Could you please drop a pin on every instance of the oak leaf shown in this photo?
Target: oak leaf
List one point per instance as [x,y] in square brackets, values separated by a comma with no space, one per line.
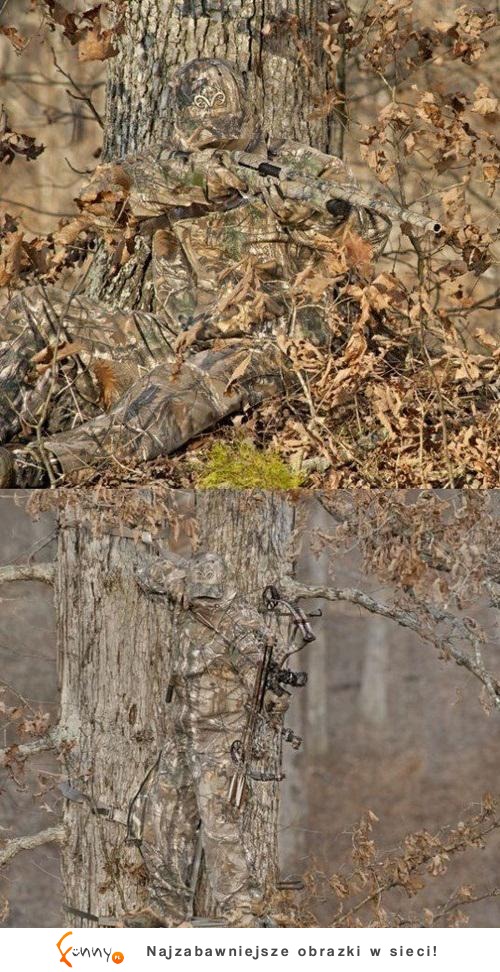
[97,45]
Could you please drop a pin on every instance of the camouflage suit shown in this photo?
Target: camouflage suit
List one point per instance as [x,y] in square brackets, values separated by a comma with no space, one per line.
[184,798]
[227,251]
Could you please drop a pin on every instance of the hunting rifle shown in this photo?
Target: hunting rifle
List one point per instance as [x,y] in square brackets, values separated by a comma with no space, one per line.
[326,194]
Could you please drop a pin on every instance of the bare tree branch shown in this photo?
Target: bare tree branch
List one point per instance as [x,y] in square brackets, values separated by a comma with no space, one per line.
[424,625]
[12,847]
[42,745]
[29,572]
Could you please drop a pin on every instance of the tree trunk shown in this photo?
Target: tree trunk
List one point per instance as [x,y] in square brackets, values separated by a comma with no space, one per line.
[115,649]
[253,533]
[373,700]
[277,45]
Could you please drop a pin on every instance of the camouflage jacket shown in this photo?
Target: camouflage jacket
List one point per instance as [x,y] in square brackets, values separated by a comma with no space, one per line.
[229,254]
[223,631]
[230,634]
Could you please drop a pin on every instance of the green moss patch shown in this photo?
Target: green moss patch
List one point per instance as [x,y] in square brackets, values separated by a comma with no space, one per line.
[241,466]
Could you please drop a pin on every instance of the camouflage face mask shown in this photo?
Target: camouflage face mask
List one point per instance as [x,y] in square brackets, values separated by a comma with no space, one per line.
[206,576]
[211,106]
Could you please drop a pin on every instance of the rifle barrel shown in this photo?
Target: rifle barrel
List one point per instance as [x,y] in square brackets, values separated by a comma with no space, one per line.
[323,193]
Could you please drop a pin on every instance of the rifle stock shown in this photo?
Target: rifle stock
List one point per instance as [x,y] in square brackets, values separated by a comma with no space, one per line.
[325,193]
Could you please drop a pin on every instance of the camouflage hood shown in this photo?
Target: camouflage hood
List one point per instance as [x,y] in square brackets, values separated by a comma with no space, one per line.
[211,107]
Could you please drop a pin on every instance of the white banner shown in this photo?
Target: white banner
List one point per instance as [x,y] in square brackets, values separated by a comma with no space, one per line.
[213,949]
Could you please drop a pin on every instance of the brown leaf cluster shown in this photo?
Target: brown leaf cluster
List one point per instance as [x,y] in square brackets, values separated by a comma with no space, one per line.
[103,508]
[25,258]
[87,30]
[14,144]
[409,393]
[393,402]
[364,892]
[438,549]
[16,39]
[389,32]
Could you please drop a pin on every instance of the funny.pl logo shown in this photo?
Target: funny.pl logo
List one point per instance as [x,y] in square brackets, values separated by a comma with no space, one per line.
[86,952]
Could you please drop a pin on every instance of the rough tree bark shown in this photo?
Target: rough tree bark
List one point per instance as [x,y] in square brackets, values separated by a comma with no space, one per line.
[277,45]
[115,650]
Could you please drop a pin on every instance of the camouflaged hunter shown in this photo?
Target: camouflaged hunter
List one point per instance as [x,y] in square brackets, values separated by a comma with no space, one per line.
[183,807]
[228,245]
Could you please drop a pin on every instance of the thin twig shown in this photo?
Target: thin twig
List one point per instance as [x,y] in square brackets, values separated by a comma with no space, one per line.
[80,96]
[493,893]
[390,883]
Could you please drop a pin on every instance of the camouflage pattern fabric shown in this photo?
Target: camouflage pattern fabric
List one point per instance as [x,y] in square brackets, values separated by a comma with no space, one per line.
[184,797]
[157,415]
[49,342]
[228,253]
[235,249]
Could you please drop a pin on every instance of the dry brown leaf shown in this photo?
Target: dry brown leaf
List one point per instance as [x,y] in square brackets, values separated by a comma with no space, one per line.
[314,285]
[485,103]
[44,359]
[11,259]
[356,347]
[60,15]
[17,40]
[359,252]
[14,143]
[97,45]
[239,371]
[70,232]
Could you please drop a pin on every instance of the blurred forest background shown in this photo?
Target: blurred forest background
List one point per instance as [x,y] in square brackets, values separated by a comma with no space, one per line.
[43,103]
[387,727]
